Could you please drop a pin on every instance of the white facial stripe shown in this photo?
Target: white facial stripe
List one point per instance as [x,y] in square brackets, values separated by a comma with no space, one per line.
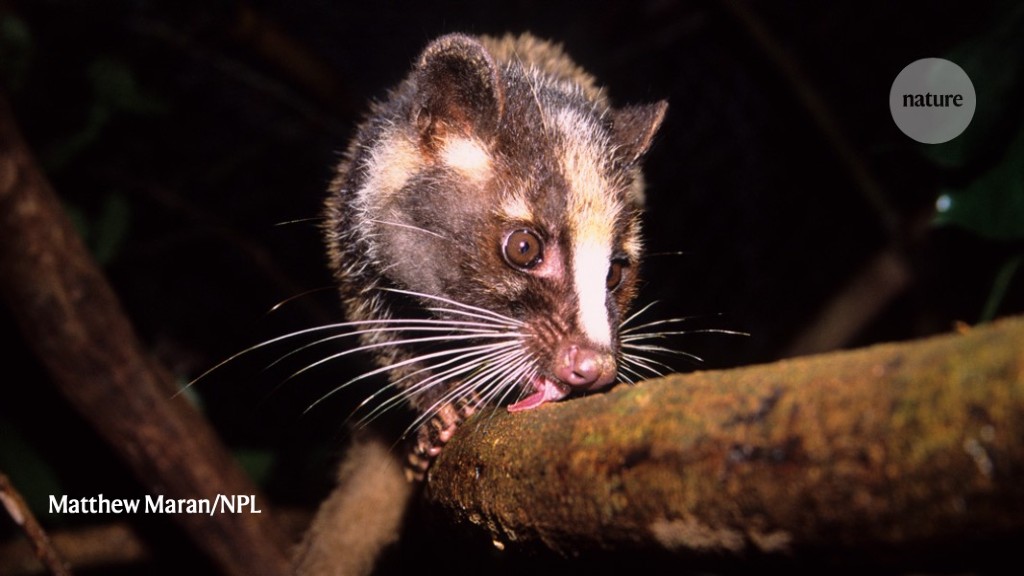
[590,268]
[391,164]
[468,157]
[593,211]
[515,207]
[633,245]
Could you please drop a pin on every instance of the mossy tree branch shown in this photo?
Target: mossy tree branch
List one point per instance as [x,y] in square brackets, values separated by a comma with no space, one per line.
[887,449]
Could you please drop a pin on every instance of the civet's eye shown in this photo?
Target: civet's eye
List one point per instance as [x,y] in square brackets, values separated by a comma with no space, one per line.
[614,275]
[523,249]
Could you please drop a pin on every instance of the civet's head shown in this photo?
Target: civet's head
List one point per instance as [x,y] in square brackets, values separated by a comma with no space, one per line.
[498,176]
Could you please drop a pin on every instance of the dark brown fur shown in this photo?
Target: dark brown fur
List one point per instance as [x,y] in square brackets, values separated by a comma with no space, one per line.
[479,140]
[477,88]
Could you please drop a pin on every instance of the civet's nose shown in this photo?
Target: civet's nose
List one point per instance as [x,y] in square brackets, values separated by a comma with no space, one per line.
[583,367]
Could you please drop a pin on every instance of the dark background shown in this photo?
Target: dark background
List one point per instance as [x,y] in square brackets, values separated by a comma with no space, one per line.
[192,142]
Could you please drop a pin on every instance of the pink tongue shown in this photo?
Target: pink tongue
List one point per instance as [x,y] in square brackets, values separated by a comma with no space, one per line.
[545,390]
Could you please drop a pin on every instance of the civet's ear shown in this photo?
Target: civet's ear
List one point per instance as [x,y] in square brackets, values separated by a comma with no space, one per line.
[633,128]
[458,88]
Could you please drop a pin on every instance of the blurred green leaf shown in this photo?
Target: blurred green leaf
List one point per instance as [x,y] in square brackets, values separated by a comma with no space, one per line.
[15,51]
[27,469]
[111,228]
[256,463]
[1000,286]
[70,147]
[106,232]
[992,61]
[114,90]
[80,221]
[991,206]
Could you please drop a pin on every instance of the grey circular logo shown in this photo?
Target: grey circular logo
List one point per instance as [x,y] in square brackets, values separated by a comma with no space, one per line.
[932,100]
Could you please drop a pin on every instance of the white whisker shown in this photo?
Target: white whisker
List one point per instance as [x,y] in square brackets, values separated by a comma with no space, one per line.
[662,350]
[624,367]
[505,376]
[636,314]
[482,370]
[472,315]
[525,373]
[464,333]
[336,326]
[391,343]
[408,226]
[651,362]
[524,391]
[455,303]
[642,363]
[432,380]
[416,359]
[634,329]
[494,373]
[300,221]
[651,335]
[290,299]
[497,391]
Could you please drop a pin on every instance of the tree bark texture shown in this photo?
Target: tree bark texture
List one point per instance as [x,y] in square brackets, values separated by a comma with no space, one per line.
[74,322]
[891,448]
